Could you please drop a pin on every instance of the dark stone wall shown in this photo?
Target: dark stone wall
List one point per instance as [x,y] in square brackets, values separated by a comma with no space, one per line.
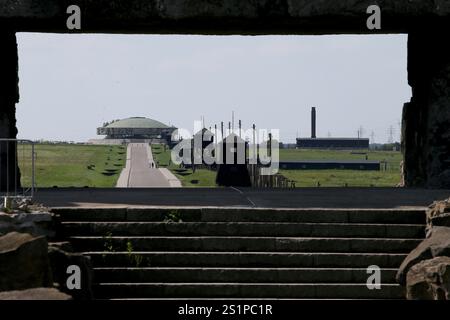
[9,96]
[222,16]
[426,119]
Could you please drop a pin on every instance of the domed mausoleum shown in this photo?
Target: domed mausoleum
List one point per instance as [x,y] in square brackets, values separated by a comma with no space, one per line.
[137,128]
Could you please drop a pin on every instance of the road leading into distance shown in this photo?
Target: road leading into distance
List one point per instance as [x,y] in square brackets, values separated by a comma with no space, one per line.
[141,172]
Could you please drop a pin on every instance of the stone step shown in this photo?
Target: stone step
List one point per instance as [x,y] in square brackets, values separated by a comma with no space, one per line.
[245,259]
[239,275]
[377,216]
[234,253]
[246,290]
[246,229]
[262,244]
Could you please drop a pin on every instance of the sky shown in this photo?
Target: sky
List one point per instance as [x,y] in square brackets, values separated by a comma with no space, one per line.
[72,84]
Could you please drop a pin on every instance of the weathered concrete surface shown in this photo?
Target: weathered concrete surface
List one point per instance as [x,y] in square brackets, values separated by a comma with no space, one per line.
[24,262]
[140,170]
[174,182]
[244,197]
[438,244]
[426,119]
[36,224]
[222,17]
[438,215]
[429,280]
[9,96]
[60,259]
[35,294]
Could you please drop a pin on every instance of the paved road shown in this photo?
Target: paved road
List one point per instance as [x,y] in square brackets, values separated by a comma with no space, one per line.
[230,197]
[140,170]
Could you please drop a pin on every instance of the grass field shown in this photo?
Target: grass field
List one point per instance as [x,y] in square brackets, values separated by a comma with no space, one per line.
[65,165]
[306,178]
[393,158]
[199,178]
[341,178]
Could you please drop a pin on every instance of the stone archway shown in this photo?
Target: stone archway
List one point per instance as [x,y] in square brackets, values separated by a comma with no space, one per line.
[426,118]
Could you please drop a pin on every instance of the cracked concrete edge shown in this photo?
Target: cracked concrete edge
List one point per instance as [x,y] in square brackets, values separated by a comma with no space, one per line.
[173,180]
[122,182]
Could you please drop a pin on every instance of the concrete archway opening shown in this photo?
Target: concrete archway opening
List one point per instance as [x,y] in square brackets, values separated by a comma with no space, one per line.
[426,118]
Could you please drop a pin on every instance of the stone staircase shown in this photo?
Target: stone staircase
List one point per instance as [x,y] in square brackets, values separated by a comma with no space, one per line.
[242,253]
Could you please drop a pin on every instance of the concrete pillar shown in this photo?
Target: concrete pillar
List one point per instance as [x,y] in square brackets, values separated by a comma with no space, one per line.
[426,119]
[9,96]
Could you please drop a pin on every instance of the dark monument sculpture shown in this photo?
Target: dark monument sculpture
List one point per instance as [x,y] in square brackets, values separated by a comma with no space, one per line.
[233,171]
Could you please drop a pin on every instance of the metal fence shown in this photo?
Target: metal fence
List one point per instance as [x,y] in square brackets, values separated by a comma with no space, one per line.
[17,168]
[268,181]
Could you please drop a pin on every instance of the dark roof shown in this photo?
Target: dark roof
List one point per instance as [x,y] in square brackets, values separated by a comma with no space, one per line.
[332,139]
[334,161]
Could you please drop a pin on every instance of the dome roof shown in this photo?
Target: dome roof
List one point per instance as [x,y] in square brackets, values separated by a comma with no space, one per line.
[137,122]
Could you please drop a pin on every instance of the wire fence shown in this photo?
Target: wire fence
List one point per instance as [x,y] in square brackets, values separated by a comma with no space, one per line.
[17,157]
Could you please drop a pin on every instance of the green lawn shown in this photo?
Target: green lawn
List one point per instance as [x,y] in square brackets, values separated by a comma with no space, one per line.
[342,178]
[199,178]
[307,178]
[393,158]
[66,165]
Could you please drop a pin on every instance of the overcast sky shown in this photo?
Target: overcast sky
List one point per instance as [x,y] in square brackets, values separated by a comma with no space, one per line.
[71,84]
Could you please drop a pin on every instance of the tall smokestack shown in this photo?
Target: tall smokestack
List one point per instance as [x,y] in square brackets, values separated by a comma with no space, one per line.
[313,123]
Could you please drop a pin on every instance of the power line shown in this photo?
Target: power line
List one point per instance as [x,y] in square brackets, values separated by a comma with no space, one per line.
[361,132]
[391,132]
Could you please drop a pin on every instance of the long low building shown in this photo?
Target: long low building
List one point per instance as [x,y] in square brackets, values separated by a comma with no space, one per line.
[333,143]
[365,165]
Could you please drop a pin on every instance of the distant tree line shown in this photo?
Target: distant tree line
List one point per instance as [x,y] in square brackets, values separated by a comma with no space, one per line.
[43,141]
[386,146]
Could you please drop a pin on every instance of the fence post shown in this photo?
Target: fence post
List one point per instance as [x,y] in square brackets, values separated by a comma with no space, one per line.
[33,170]
[10,173]
[9,96]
